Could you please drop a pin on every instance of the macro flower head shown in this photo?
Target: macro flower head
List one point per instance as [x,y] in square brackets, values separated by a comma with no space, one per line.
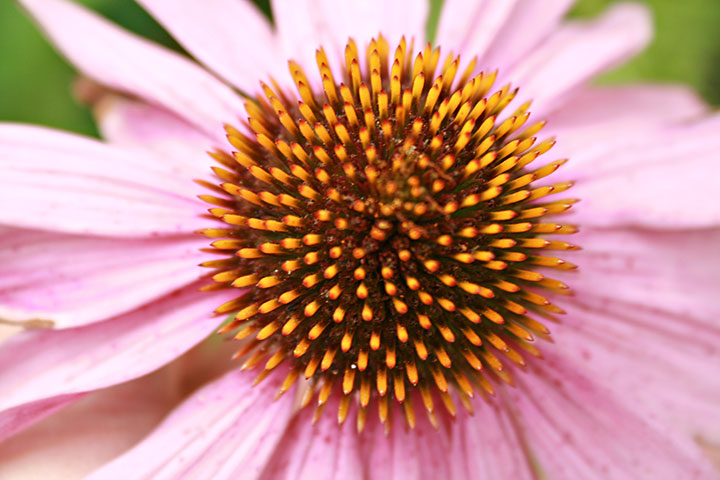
[432,259]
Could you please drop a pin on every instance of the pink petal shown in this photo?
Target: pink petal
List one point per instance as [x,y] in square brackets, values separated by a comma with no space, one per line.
[409,454]
[624,109]
[457,21]
[328,450]
[469,28]
[575,429]
[322,451]
[365,20]
[677,272]
[226,430]
[304,25]
[577,51]
[648,324]
[178,144]
[64,182]
[71,280]
[129,63]
[664,366]
[487,444]
[229,36]
[530,23]
[598,120]
[53,363]
[21,417]
[662,179]
[301,29]
[86,435]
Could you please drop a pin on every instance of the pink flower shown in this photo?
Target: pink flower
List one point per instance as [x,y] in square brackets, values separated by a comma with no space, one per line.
[99,249]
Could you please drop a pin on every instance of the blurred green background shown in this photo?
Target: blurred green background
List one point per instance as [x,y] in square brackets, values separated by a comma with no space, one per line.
[35,83]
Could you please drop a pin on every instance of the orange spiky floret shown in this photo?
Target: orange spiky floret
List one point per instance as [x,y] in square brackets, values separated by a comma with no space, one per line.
[385,229]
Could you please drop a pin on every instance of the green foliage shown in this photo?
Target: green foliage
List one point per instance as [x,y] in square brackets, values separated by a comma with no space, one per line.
[686,47]
[36,84]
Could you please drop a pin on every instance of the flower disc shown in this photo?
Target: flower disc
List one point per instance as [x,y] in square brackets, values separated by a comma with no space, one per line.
[384,231]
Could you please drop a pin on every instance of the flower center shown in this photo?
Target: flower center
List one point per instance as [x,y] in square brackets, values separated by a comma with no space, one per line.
[383,231]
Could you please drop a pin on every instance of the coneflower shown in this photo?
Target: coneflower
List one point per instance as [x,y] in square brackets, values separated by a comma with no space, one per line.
[386,230]
[387,235]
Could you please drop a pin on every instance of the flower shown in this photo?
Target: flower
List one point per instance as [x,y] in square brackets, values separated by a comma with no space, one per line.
[100,246]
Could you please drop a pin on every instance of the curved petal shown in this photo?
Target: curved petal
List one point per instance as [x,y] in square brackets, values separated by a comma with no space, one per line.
[597,121]
[180,146]
[301,29]
[490,424]
[70,280]
[405,454]
[576,51]
[575,429]
[644,320]
[226,430]
[457,20]
[126,62]
[21,417]
[327,450]
[677,272]
[54,363]
[229,36]
[304,25]
[67,183]
[661,179]
[625,109]
[84,436]
[365,20]
[664,366]
[469,27]
[529,24]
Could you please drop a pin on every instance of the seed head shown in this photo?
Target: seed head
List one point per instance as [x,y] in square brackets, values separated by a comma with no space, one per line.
[383,231]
